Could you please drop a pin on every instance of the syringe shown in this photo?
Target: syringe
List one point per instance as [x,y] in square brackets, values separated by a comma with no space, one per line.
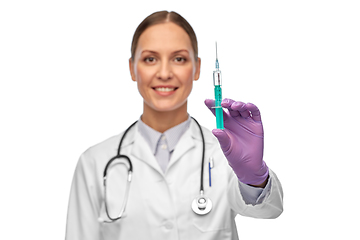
[218,94]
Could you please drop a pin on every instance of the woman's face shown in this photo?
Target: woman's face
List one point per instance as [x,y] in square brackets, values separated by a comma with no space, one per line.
[164,67]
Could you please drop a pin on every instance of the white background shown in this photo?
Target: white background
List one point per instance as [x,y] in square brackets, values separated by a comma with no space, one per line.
[65,86]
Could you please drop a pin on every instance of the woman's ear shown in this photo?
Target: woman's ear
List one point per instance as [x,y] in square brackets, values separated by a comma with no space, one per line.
[131,68]
[197,70]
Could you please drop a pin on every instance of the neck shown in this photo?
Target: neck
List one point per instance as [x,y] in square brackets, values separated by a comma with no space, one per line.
[162,121]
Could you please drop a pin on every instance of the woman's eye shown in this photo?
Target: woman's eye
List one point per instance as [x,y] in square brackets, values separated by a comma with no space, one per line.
[149,59]
[180,59]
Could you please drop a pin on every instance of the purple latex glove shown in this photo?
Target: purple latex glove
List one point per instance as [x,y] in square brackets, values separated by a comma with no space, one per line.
[242,140]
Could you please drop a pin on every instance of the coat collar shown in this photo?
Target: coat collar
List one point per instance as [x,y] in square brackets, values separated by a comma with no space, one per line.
[141,150]
[172,135]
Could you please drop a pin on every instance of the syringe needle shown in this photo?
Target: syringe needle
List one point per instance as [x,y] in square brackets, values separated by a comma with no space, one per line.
[216,50]
[216,62]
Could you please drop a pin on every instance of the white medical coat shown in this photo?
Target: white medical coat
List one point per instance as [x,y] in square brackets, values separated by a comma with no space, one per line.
[159,204]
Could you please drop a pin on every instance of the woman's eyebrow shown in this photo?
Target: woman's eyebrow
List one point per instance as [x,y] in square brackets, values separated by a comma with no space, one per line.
[145,51]
[175,52]
[182,50]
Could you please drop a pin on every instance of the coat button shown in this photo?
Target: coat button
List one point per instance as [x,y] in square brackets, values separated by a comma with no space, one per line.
[168,225]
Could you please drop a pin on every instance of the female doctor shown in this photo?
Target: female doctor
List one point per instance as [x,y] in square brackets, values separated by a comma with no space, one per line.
[177,189]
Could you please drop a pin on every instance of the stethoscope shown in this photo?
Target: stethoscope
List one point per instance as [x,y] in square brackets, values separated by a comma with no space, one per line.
[201,205]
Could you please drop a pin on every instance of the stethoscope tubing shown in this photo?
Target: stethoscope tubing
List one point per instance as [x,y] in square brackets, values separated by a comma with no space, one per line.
[130,171]
[118,152]
[202,158]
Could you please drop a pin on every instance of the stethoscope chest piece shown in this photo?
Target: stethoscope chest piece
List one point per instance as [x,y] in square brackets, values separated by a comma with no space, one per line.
[201,205]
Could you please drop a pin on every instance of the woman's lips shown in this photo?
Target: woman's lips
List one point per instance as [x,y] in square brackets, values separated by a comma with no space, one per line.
[165,90]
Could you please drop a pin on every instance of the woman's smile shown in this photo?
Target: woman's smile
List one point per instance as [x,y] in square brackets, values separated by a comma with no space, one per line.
[165,90]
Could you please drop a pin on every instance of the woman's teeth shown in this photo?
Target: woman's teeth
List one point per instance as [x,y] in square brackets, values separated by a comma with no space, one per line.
[162,89]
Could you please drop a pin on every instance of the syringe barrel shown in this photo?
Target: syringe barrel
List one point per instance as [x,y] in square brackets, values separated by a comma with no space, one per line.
[217,78]
[218,108]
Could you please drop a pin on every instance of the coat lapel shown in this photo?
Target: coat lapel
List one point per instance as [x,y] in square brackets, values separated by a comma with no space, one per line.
[185,143]
[141,151]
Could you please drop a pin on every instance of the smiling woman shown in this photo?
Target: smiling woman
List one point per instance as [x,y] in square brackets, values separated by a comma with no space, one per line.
[164,67]
[163,151]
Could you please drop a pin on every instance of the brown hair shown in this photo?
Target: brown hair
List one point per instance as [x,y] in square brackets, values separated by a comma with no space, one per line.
[162,17]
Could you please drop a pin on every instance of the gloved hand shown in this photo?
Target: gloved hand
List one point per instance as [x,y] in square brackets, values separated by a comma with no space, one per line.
[242,140]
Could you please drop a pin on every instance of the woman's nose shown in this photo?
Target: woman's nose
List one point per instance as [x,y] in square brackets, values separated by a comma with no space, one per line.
[165,71]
